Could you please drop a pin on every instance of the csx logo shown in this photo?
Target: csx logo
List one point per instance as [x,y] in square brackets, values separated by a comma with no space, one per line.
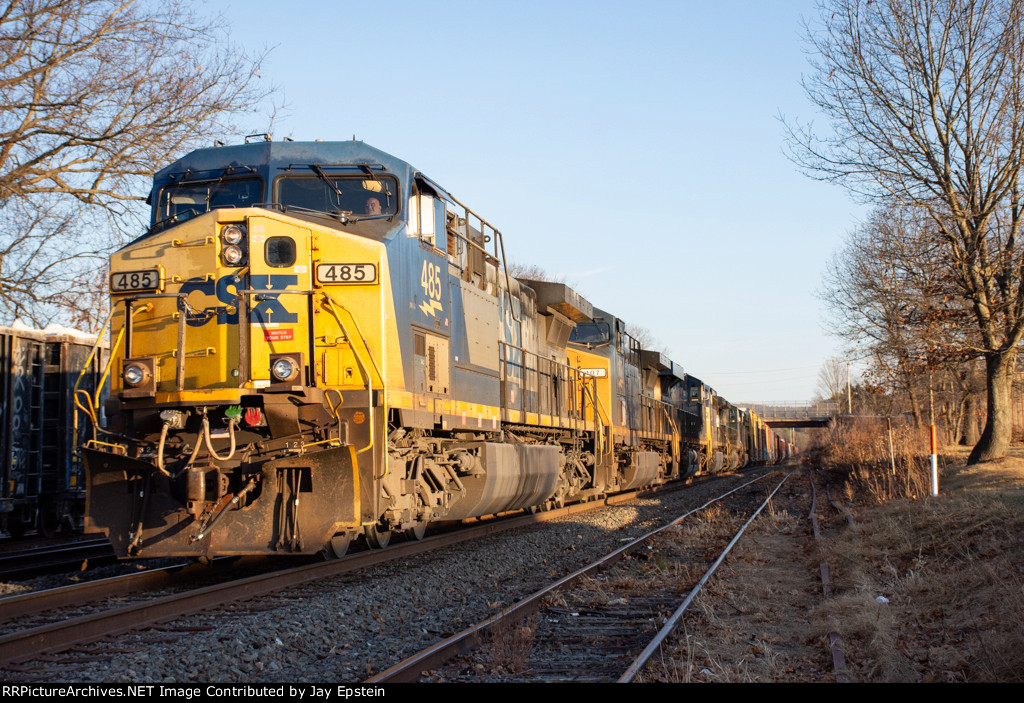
[266,306]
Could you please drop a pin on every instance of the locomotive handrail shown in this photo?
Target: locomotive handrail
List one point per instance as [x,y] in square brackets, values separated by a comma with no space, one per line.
[602,411]
[88,360]
[676,434]
[180,345]
[572,370]
[498,239]
[595,402]
[362,365]
[654,404]
[74,390]
[483,250]
[91,410]
[359,331]
[508,283]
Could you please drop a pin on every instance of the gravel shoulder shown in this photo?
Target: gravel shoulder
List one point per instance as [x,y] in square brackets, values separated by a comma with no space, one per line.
[349,627]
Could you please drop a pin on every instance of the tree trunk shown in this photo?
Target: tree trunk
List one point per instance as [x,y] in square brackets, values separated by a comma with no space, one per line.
[970,421]
[915,408]
[995,439]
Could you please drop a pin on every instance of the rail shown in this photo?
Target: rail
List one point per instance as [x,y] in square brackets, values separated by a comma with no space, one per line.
[409,670]
[673,621]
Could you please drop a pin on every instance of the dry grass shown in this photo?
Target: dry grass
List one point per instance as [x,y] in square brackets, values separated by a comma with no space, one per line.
[511,644]
[884,461]
[927,590]
[950,572]
[923,589]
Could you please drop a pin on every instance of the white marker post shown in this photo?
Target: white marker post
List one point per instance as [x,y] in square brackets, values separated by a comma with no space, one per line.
[935,464]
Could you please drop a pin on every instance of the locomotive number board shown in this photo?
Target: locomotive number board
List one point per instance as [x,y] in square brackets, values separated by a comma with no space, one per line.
[346,273]
[135,280]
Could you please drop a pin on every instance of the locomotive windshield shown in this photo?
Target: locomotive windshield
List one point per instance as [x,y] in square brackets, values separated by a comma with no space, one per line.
[591,333]
[359,196]
[184,200]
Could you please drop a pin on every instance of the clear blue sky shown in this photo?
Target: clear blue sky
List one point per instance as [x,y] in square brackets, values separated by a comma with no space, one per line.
[634,147]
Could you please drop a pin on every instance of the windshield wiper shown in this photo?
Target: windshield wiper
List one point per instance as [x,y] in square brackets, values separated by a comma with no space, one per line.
[227,171]
[342,215]
[175,216]
[372,217]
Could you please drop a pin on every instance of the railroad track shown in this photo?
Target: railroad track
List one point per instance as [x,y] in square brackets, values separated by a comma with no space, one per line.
[35,559]
[835,643]
[599,624]
[20,645]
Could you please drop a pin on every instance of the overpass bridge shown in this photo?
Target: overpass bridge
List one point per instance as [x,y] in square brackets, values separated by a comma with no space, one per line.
[794,413]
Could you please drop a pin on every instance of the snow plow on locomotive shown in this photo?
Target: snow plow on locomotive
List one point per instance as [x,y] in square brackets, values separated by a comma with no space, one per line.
[317,342]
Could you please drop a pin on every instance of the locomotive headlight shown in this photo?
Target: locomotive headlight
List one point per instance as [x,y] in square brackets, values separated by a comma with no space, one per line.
[134,375]
[232,255]
[285,369]
[139,374]
[232,234]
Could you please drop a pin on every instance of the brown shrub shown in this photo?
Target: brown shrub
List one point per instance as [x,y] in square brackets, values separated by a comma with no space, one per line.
[886,460]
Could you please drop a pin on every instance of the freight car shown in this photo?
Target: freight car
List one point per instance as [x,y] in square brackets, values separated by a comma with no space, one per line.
[316,342]
[43,480]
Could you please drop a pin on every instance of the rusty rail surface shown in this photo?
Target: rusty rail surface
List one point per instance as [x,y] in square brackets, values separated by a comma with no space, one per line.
[670,625]
[835,643]
[471,638]
[24,645]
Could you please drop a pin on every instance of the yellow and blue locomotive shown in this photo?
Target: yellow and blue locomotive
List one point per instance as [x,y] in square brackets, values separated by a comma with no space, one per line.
[315,342]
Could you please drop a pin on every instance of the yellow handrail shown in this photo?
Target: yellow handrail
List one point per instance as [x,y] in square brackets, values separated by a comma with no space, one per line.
[602,415]
[94,402]
[363,370]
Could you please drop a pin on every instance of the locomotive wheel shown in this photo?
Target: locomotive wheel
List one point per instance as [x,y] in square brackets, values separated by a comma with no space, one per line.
[416,532]
[376,537]
[338,545]
[717,461]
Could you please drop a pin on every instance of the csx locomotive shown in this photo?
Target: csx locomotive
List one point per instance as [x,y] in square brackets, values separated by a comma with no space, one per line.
[316,342]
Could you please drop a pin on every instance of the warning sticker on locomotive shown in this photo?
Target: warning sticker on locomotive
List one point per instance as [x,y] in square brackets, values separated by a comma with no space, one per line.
[278,335]
[135,280]
[346,273]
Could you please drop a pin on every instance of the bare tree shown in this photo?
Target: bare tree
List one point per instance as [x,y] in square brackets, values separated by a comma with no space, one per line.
[926,104]
[94,96]
[832,379]
[890,298]
[533,272]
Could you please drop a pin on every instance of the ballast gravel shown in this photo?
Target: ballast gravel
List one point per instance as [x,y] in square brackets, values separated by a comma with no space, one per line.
[349,627]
